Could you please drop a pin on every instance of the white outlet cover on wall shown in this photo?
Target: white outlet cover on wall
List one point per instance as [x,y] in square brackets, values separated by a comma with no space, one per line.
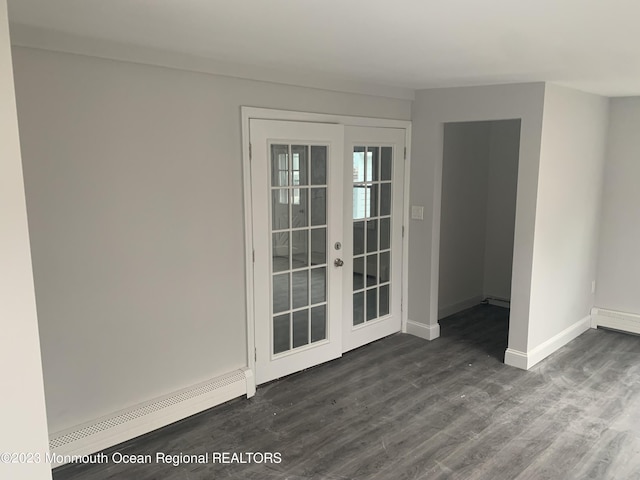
[417,212]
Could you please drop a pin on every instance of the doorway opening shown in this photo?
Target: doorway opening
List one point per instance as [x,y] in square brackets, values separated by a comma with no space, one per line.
[477,224]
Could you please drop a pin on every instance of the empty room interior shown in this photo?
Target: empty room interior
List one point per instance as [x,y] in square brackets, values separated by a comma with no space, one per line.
[246,240]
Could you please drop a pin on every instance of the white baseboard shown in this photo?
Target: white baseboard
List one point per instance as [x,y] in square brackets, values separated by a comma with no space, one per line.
[110,430]
[251,382]
[526,360]
[428,332]
[626,322]
[516,358]
[447,310]
[498,302]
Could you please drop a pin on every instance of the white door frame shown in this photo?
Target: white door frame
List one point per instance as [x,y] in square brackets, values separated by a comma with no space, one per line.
[248,113]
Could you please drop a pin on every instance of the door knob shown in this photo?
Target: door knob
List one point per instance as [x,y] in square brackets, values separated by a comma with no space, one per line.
[338,262]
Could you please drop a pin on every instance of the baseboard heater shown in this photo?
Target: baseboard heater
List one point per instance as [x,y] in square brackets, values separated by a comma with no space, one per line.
[625,322]
[105,432]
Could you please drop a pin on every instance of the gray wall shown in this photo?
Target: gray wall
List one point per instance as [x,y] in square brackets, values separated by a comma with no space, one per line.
[560,171]
[463,218]
[618,285]
[479,180]
[431,109]
[22,405]
[504,145]
[568,210]
[134,191]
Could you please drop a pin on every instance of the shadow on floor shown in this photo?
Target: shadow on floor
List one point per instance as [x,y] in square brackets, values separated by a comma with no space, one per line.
[492,337]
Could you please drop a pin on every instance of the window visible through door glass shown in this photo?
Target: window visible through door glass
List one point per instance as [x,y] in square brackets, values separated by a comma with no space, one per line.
[372,176]
[298,245]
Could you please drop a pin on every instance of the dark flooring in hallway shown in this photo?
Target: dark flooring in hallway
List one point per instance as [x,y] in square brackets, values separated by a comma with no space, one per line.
[406,408]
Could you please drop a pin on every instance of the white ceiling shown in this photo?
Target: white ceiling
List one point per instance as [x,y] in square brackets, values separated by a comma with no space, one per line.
[591,45]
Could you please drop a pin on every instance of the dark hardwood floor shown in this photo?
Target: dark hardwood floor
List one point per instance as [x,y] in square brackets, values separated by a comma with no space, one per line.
[405,408]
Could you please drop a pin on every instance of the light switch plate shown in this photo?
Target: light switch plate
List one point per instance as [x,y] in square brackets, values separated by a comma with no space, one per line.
[417,212]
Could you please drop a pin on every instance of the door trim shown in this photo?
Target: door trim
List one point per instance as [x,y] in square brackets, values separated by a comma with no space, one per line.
[248,113]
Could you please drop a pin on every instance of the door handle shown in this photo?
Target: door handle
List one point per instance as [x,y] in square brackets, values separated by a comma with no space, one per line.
[338,262]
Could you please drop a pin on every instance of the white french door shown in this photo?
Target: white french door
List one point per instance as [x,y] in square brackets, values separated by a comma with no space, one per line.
[296,173]
[327,209]
[373,192]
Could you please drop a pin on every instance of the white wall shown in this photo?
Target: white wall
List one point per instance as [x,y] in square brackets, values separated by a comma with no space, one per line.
[477,221]
[504,145]
[463,218]
[22,406]
[619,252]
[568,210]
[134,191]
[431,109]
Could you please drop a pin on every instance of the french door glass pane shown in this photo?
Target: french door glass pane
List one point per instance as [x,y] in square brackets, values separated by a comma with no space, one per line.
[300,281]
[299,210]
[385,266]
[372,235]
[299,248]
[318,206]
[385,233]
[372,201]
[385,165]
[318,323]
[281,293]
[318,165]
[384,300]
[279,165]
[358,273]
[299,164]
[358,238]
[300,328]
[372,270]
[385,199]
[318,246]
[372,193]
[372,164]
[318,285]
[280,209]
[358,164]
[281,333]
[372,304]
[358,308]
[359,201]
[280,251]
[298,243]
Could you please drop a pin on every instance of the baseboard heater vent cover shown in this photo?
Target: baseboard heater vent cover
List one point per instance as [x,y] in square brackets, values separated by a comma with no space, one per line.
[625,322]
[129,423]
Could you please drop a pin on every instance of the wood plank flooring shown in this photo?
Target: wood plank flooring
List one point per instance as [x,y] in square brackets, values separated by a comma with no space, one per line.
[405,408]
